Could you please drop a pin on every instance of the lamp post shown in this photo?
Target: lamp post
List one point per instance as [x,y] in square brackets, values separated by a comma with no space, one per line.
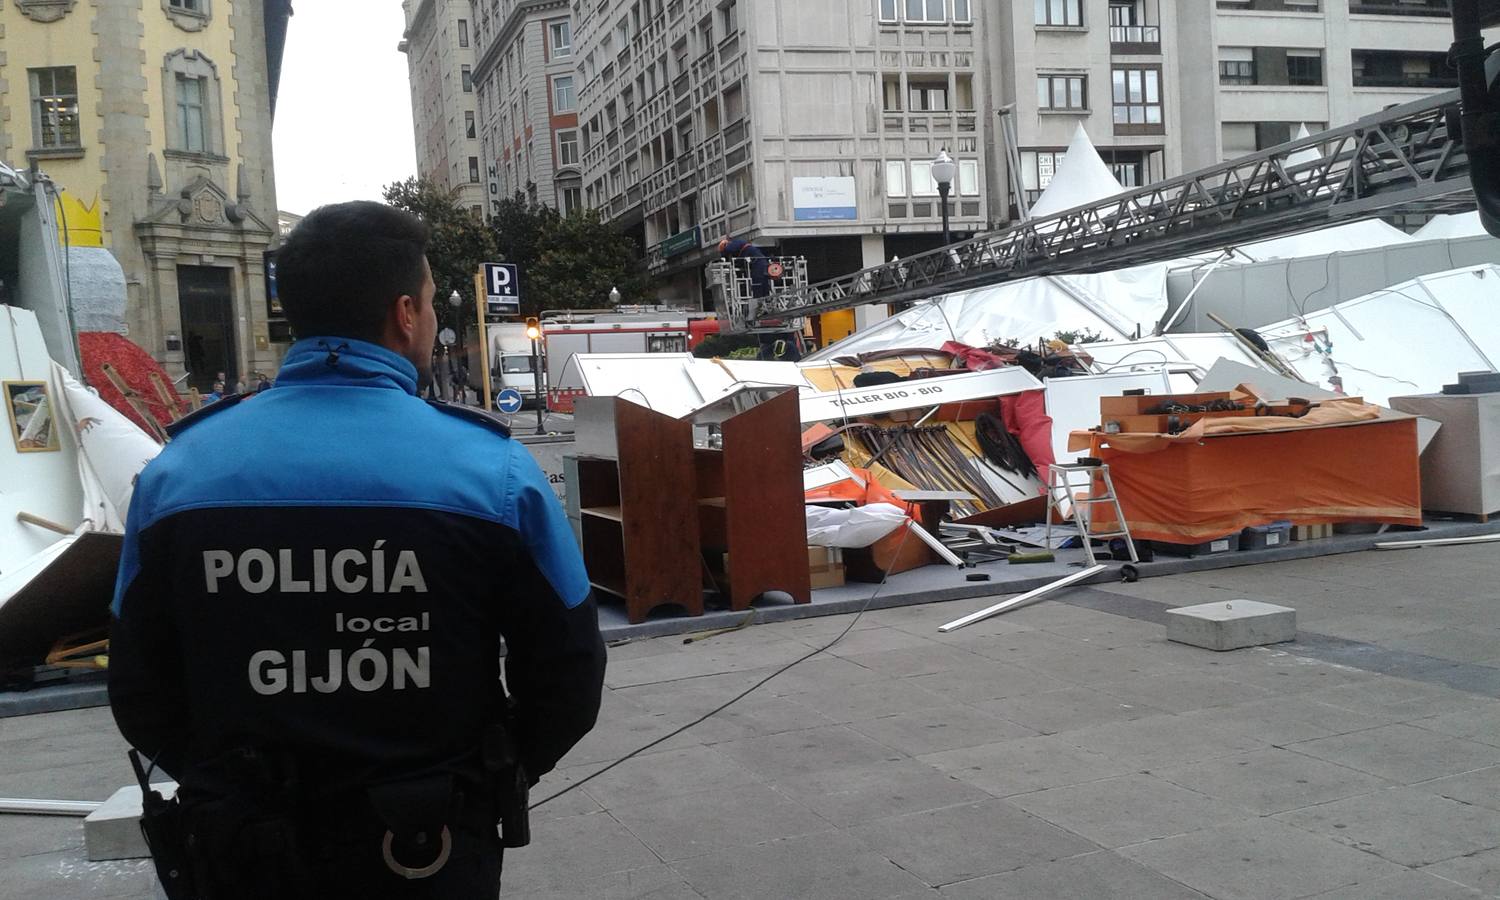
[534,333]
[455,300]
[614,296]
[943,171]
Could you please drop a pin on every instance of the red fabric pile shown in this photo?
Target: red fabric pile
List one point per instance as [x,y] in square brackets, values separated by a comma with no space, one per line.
[134,366]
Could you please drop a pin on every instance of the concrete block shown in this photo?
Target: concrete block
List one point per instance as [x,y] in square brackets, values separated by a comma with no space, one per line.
[113,831]
[1232,624]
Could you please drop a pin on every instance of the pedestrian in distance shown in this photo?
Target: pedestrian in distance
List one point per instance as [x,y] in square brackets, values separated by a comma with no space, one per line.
[311,599]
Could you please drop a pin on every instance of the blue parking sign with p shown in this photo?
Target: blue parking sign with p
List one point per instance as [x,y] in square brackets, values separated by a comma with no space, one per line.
[508,400]
[502,289]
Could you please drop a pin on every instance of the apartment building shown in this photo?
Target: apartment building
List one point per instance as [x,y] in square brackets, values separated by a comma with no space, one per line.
[805,127]
[439,44]
[526,85]
[1259,68]
[154,122]
[809,126]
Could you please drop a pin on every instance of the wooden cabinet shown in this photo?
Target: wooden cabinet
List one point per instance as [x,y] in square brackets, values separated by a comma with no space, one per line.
[663,519]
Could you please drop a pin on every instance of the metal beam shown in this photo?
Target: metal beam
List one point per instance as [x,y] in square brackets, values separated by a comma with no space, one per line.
[1402,157]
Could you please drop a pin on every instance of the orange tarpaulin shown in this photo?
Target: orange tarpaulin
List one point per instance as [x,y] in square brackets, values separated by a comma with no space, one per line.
[1195,491]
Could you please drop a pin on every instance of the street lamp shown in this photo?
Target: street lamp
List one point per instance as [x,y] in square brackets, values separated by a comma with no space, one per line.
[456,300]
[534,334]
[614,296]
[943,171]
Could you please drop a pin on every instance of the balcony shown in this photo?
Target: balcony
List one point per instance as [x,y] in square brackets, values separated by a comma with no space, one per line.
[1429,8]
[965,122]
[1135,40]
[1304,6]
[1406,80]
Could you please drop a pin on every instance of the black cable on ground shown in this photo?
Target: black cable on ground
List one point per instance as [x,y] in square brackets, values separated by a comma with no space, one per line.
[901,545]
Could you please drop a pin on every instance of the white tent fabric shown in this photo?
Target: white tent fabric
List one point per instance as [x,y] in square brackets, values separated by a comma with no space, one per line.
[1408,339]
[1114,304]
[1080,179]
[1302,157]
[1362,234]
[112,451]
[1447,227]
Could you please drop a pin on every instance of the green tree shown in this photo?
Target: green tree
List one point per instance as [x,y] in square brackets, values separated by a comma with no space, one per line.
[459,241]
[567,262]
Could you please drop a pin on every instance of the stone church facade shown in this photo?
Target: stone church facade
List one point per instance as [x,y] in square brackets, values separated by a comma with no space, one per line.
[153,118]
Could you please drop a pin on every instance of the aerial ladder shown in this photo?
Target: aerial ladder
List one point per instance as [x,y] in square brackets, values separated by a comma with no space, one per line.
[1407,157]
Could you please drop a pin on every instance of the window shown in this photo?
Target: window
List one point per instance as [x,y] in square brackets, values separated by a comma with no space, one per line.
[473,170]
[190,115]
[925,11]
[1304,67]
[1061,92]
[54,108]
[928,96]
[189,5]
[476,212]
[560,39]
[729,19]
[567,148]
[563,98]
[572,200]
[469,124]
[968,177]
[467,76]
[961,12]
[891,88]
[1038,167]
[895,179]
[1236,65]
[1137,101]
[922,183]
[463,33]
[1059,12]
[887,10]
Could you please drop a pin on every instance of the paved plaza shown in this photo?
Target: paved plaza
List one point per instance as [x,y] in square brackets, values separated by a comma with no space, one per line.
[1065,750]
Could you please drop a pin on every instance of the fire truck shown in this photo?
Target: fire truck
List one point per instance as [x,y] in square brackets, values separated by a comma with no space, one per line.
[625,329]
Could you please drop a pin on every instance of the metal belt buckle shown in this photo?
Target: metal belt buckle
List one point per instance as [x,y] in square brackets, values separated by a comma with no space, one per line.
[426,871]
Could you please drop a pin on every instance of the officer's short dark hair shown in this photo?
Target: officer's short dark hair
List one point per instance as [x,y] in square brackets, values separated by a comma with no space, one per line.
[343,264]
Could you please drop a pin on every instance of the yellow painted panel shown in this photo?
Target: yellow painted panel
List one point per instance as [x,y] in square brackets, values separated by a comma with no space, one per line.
[85,221]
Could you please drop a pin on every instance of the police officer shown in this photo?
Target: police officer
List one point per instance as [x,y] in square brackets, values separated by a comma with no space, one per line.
[307,636]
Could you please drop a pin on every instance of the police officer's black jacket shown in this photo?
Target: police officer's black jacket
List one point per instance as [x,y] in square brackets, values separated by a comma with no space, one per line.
[338,588]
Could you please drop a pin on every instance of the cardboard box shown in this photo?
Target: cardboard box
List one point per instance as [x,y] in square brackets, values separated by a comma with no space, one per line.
[1311,532]
[826,566]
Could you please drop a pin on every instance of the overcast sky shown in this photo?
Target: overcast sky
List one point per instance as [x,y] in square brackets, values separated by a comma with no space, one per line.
[343,113]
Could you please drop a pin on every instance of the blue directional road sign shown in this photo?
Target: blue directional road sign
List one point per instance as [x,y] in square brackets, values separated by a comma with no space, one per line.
[509,400]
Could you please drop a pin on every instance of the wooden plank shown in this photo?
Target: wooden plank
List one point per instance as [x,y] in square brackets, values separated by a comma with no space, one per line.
[137,403]
[763,501]
[173,408]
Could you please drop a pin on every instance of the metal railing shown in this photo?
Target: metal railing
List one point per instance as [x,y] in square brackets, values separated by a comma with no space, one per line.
[1135,34]
[1430,8]
[1400,157]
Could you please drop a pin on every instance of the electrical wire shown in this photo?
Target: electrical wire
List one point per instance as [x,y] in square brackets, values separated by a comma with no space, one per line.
[901,545]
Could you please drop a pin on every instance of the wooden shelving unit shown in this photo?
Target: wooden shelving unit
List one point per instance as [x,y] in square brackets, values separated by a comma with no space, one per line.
[636,500]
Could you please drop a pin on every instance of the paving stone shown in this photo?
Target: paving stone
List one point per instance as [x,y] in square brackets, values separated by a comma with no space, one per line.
[923,660]
[1406,886]
[1401,753]
[987,679]
[964,842]
[552,861]
[658,882]
[1480,871]
[759,715]
[576,802]
[689,825]
[1479,788]
[860,702]
[859,794]
[1090,663]
[806,752]
[1282,720]
[827,866]
[1129,809]
[27,835]
[1403,825]
[1158,742]
[1024,765]
[1287,673]
[1273,780]
[1469,644]
[940,727]
[1183,691]
[628,735]
[68,876]
[1262,859]
[1482,723]
[821,672]
[1093,875]
[659,776]
[1052,712]
[874,640]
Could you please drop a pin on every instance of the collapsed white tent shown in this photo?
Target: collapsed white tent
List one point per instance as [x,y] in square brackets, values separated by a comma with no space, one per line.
[1449,227]
[1412,338]
[1081,178]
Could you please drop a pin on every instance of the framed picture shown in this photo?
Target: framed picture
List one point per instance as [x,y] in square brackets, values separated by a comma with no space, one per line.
[33,425]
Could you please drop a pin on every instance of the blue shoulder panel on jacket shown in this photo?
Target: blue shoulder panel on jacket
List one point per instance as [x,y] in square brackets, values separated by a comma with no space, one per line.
[541,522]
